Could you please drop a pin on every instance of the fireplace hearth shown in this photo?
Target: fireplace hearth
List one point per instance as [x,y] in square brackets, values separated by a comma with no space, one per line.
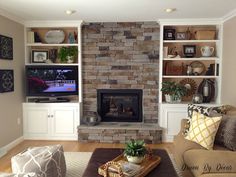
[120,105]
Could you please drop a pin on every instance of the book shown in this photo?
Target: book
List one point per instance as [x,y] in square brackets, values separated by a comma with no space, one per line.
[129,169]
[30,37]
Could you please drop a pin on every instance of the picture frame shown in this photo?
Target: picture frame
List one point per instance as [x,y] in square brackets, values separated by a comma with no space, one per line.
[6,80]
[39,56]
[181,36]
[6,48]
[189,50]
[169,34]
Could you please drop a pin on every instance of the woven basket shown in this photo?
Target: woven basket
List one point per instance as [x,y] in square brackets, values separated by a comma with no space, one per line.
[103,170]
[205,35]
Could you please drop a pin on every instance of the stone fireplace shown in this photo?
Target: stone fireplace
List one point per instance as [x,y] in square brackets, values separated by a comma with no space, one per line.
[121,56]
[120,105]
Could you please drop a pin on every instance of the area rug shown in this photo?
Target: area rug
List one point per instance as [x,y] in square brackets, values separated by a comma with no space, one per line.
[76,163]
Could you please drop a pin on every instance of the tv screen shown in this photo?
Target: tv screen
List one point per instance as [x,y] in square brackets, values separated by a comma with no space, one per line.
[51,80]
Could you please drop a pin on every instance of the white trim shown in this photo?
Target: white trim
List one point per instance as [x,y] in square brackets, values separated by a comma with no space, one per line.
[229,15]
[50,23]
[11,16]
[2,152]
[9,146]
[193,21]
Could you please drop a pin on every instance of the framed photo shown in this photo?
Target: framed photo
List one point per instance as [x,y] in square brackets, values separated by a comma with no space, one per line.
[39,56]
[180,35]
[169,34]
[6,48]
[189,50]
[6,80]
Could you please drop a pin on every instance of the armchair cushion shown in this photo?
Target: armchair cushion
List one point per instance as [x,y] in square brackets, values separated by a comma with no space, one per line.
[214,161]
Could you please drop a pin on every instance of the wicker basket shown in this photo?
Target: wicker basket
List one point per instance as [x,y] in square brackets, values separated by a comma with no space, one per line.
[205,35]
[103,170]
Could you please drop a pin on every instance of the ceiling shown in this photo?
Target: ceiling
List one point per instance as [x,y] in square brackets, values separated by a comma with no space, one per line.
[116,10]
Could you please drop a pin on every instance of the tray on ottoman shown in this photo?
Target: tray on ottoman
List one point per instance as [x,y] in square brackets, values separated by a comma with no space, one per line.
[102,155]
[141,170]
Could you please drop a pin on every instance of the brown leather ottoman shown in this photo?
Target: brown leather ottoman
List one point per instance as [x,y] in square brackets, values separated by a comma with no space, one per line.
[102,155]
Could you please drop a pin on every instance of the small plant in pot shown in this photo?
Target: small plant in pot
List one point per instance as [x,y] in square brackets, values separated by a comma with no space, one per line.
[68,54]
[173,91]
[135,151]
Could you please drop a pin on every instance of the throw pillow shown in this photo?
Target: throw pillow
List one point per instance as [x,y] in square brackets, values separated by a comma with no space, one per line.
[203,129]
[207,111]
[226,134]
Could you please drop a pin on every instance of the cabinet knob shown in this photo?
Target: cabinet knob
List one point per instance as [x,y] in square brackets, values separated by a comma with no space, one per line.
[51,115]
[48,116]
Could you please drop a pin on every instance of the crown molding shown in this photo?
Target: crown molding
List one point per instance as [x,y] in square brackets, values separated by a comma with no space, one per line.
[53,23]
[229,15]
[189,21]
[11,17]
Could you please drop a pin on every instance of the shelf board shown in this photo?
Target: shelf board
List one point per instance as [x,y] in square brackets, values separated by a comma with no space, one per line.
[190,59]
[52,64]
[190,102]
[189,41]
[48,45]
[196,77]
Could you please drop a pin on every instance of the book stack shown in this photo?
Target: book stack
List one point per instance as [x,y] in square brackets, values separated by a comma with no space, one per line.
[128,169]
[30,37]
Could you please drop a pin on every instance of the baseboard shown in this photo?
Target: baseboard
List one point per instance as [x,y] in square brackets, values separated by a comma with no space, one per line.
[9,146]
[2,152]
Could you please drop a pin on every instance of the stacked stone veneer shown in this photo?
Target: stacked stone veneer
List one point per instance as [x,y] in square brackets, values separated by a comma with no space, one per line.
[112,134]
[120,56]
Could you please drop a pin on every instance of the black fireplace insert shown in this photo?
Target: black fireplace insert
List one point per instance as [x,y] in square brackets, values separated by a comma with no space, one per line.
[120,105]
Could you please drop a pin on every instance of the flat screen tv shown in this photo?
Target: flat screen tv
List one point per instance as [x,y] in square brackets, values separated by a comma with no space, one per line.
[51,81]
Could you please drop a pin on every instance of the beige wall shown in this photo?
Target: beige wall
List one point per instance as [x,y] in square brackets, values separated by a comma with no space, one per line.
[229,63]
[11,102]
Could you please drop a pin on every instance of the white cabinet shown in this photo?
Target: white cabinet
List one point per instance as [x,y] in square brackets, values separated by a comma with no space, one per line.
[56,121]
[170,119]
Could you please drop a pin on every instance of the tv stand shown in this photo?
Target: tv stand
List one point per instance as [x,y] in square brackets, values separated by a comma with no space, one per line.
[52,100]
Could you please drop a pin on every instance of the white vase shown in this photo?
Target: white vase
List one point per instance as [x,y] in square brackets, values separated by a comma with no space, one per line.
[70,59]
[170,99]
[135,159]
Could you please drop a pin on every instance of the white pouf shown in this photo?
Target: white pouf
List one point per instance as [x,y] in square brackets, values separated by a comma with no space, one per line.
[46,161]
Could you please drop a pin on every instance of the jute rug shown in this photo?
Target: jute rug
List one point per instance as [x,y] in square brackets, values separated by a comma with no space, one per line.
[76,163]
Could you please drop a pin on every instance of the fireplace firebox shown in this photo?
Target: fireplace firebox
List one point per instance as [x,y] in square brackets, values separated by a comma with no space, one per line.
[120,105]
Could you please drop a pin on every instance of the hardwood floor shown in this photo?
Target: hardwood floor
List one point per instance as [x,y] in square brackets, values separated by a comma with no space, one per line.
[69,146]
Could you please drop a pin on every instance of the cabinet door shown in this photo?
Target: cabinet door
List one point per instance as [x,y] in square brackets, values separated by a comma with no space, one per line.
[36,122]
[64,122]
[170,119]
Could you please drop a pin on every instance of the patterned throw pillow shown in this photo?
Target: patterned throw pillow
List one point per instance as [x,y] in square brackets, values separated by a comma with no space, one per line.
[226,134]
[46,160]
[20,175]
[207,111]
[203,129]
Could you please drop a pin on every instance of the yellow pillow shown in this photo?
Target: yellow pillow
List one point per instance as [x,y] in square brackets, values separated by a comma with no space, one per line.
[203,129]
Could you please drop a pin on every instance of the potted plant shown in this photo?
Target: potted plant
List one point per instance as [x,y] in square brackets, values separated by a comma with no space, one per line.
[135,151]
[68,54]
[173,91]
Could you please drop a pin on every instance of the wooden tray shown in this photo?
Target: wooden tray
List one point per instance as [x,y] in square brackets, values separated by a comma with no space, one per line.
[148,164]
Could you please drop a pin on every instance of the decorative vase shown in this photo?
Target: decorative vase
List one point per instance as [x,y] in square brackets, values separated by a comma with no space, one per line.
[135,159]
[197,98]
[171,99]
[70,59]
